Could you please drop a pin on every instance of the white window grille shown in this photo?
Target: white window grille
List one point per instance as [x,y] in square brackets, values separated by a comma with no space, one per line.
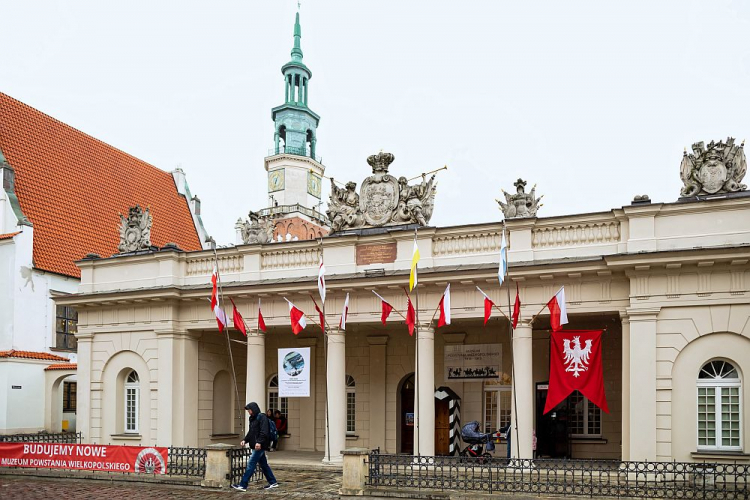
[585,417]
[274,401]
[497,403]
[719,410]
[132,402]
[351,405]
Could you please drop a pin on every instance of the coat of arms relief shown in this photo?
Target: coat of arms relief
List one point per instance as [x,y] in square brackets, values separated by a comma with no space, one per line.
[135,230]
[718,167]
[383,200]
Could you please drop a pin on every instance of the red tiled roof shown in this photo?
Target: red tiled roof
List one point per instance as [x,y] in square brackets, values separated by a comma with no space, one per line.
[62,366]
[72,187]
[31,355]
[8,236]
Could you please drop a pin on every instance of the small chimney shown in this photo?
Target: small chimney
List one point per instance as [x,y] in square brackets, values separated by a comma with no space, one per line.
[196,205]
[179,180]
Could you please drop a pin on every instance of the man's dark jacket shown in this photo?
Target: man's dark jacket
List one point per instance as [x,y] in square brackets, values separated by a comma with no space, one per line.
[258,431]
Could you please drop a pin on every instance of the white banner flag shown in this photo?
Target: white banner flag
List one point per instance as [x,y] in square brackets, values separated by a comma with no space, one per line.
[294,372]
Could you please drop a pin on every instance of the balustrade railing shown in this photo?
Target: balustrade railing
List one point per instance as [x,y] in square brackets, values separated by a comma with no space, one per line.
[608,478]
[198,266]
[462,244]
[291,258]
[290,150]
[576,234]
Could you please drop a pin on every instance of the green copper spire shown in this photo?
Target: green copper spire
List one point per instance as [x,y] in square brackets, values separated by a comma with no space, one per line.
[297,50]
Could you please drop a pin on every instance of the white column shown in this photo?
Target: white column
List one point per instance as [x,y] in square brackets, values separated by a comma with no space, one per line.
[85,388]
[522,413]
[625,452]
[425,438]
[336,390]
[643,384]
[255,383]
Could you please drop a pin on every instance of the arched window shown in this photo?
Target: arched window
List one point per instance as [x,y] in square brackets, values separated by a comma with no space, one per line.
[222,404]
[132,400]
[351,405]
[719,407]
[274,401]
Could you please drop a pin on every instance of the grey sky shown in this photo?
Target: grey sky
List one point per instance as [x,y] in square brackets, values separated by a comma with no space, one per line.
[593,101]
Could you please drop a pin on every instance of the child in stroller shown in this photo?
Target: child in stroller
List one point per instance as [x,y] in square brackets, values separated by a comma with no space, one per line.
[479,443]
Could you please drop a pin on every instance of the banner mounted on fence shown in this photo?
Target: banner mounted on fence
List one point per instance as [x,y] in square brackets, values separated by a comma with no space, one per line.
[143,460]
[294,372]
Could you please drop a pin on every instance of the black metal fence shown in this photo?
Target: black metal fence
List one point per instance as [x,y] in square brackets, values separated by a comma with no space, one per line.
[186,461]
[611,478]
[43,437]
[238,464]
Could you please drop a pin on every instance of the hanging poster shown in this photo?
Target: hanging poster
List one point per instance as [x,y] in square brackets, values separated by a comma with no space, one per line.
[473,362]
[294,372]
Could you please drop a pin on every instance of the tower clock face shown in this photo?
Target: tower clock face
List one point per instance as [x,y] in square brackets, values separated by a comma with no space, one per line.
[276,180]
[313,184]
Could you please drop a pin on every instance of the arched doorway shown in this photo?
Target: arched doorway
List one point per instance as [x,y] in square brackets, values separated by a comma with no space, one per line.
[406,414]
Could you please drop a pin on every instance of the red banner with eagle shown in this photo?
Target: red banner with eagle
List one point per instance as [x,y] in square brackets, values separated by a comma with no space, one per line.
[576,364]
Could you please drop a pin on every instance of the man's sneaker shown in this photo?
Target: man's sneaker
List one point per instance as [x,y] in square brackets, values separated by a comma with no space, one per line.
[239,487]
[270,486]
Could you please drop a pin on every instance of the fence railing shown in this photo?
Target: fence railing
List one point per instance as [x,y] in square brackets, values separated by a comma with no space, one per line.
[238,463]
[186,461]
[43,437]
[610,478]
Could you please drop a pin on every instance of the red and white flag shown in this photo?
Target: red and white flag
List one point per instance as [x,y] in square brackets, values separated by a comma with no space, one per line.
[487,305]
[321,316]
[299,321]
[221,316]
[261,322]
[576,365]
[411,315]
[322,281]
[386,308]
[239,322]
[516,308]
[344,313]
[558,310]
[445,307]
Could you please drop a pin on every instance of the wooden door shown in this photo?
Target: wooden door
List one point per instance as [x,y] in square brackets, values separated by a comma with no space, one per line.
[442,427]
[407,416]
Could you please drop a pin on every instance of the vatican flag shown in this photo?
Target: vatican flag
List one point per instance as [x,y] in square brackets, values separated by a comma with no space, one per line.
[414,260]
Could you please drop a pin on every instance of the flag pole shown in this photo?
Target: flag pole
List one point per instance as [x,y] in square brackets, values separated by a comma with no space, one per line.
[416,352]
[325,356]
[512,362]
[229,345]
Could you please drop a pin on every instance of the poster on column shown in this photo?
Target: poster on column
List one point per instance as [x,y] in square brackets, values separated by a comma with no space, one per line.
[294,372]
[473,362]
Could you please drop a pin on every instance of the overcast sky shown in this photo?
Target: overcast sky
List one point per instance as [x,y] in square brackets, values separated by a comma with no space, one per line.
[593,101]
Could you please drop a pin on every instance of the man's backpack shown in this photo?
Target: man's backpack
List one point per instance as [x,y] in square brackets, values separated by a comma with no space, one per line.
[272,430]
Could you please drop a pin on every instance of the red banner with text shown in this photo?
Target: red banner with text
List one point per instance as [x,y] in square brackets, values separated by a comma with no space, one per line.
[136,459]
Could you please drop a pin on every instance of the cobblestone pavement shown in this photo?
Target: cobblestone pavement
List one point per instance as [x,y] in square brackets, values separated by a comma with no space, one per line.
[295,485]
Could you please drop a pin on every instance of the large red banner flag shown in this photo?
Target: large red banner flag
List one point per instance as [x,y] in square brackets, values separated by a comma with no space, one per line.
[576,364]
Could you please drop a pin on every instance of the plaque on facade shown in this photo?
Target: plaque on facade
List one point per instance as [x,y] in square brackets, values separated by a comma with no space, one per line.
[718,167]
[256,228]
[383,200]
[376,254]
[473,362]
[521,204]
[135,230]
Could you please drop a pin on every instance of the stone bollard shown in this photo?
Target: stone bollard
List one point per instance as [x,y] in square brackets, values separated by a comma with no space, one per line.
[218,466]
[355,472]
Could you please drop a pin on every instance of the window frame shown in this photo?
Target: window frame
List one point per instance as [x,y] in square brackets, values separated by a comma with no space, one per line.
[69,317]
[273,388]
[69,388]
[500,419]
[717,383]
[134,386]
[587,408]
[351,391]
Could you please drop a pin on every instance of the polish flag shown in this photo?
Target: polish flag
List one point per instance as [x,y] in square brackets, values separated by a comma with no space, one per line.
[487,306]
[386,308]
[344,313]
[321,316]
[221,316]
[239,322]
[411,315]
[299,322]
[558,310]
[516,308]
[261,322]
[445,308]
[322,281]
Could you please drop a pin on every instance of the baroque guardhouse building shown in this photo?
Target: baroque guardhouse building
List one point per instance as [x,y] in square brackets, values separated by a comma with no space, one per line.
[667,282]
[63,193]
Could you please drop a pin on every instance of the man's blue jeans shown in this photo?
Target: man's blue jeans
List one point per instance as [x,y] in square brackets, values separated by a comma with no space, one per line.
[258,457]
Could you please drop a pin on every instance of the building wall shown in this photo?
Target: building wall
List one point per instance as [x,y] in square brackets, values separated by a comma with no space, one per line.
[21,410]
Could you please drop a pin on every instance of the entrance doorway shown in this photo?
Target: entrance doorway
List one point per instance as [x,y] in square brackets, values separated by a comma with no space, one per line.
[552,429]
[406,415]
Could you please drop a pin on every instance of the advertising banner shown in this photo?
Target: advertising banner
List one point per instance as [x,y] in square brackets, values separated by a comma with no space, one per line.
[294,372]
[137,459]
[473,362]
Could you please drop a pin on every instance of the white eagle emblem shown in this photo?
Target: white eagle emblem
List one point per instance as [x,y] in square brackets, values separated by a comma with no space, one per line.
[576,358]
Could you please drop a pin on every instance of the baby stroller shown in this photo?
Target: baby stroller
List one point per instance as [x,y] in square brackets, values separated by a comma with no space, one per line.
[478,443]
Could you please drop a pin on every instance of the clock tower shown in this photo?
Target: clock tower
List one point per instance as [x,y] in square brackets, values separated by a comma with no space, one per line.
[295,171]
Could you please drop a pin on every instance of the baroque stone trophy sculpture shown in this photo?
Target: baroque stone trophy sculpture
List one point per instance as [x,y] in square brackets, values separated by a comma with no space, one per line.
[716,168]
[256,228]
[383,200]
[135,230]
[521,204]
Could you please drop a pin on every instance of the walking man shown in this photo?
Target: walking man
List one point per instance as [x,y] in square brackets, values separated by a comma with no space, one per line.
[259,438]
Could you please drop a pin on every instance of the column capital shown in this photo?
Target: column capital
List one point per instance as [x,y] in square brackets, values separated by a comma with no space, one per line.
[255,332]
[377,339]
[643,314]
[308,341]
[335,331]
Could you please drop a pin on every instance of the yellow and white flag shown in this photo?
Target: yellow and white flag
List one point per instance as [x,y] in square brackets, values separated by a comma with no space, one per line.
[414,260]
